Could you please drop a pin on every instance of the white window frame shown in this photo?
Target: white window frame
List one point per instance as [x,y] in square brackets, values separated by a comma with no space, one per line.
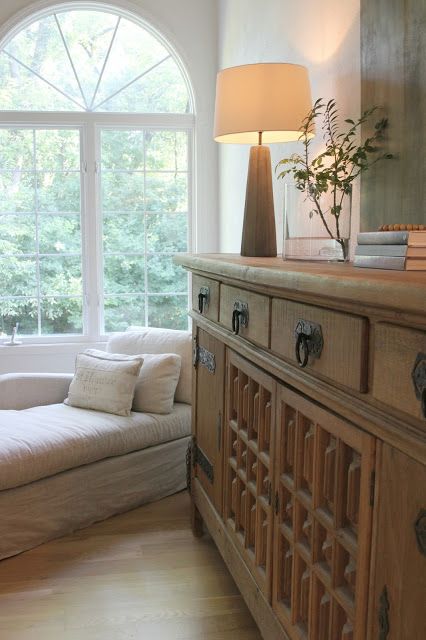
[90,124]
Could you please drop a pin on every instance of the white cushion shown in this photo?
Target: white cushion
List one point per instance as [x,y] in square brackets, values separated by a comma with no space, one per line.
[41,441]
[156,385]
[152,340]
[104,381]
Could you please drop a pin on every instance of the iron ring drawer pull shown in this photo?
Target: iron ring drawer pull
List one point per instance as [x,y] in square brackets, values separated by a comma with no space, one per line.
[309,339]
[203,299]
[420,530]
[236,321]
[418,376]
[302,344]
[240,316]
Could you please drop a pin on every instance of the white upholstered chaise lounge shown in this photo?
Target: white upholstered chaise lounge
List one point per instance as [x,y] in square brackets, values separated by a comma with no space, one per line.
[63,468]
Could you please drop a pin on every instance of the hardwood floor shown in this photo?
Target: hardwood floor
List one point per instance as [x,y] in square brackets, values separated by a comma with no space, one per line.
[140,575]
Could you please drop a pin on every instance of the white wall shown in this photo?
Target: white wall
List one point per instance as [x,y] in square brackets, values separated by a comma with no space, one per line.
[324,36]
[191,27]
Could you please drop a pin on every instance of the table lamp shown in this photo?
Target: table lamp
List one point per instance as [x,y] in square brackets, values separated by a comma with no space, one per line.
[258,103]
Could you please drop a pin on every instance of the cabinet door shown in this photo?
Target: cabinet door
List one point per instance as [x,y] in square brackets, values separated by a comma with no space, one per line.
[249,442]
[208,414]
[398,607]
[323,515]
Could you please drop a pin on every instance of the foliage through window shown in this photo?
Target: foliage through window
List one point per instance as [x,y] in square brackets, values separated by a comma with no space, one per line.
[90,61]
[92,207]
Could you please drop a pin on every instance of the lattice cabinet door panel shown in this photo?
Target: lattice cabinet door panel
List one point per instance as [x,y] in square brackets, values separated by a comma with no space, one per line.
[249,443]
[209,363]
[322,527]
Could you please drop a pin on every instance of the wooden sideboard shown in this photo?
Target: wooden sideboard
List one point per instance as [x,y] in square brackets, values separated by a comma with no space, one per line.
[309,442]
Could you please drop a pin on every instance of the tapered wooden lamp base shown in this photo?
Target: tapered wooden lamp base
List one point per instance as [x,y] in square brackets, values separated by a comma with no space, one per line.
[259,237]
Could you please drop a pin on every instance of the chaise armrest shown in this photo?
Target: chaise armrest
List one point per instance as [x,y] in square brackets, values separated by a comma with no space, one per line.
[24,390]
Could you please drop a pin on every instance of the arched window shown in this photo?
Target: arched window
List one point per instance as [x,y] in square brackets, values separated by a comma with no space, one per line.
[96,123]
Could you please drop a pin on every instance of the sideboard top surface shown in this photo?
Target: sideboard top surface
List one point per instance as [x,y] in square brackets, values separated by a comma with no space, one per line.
[400,291]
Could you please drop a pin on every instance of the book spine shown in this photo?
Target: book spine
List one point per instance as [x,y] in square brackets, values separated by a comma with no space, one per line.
[383,237]
[395,250]
[380,262]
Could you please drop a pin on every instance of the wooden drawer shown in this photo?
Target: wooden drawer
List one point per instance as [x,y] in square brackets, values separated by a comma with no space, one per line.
[345,341]
[210,304]
[257,307]
[396,351]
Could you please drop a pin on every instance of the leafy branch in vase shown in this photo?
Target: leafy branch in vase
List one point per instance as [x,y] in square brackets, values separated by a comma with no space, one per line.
[333,171]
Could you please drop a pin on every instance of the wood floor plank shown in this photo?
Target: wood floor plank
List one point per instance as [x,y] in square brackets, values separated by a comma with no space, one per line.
[139,575]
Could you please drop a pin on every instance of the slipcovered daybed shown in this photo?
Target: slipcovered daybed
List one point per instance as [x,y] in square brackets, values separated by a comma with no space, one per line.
[63,468]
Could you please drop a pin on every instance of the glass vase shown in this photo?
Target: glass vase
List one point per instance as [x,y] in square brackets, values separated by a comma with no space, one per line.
[305,234]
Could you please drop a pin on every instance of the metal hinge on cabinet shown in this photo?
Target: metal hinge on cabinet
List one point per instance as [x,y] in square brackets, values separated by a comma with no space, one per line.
[198,457]
[201,356]
[372,487]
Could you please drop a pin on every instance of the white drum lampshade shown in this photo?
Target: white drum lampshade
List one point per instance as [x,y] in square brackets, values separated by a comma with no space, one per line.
[257,103]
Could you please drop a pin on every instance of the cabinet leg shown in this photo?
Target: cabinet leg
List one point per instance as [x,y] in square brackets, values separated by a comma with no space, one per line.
[196,521]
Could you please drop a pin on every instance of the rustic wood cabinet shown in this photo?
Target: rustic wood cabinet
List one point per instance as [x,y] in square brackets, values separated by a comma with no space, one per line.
[308,461]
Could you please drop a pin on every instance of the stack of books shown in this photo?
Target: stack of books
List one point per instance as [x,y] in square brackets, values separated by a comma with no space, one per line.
[398,250]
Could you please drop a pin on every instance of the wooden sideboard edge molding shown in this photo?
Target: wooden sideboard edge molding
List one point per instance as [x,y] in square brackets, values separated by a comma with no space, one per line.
[375,312]
[255,600]
[360,411]
[394,290]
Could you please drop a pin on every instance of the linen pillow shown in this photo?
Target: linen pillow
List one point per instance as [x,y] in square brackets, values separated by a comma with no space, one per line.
[157,382]
[153,340]
[104,381]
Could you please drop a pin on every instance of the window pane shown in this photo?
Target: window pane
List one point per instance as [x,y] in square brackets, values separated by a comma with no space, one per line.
[122,311]
[167,232]
[58,192]
[59,234]
[21,90]
[58,149]
[161,195]
[123,150]
[17,192]
[40,47]
[166,192]
[133,52]
[60,275]
[164,276]
[123,233]
[17,310]
[61,315]
[18,277]
[16,149]
[17,234]
[122,191]
[26,239]
[124,274]
[162,90]
[170,312]
[88,40]
[166,150]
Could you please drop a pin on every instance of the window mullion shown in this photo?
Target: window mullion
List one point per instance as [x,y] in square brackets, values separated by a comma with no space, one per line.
[90,232]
